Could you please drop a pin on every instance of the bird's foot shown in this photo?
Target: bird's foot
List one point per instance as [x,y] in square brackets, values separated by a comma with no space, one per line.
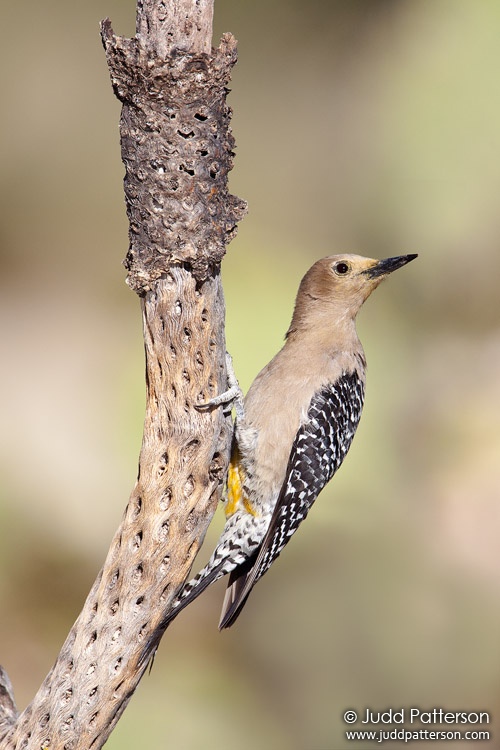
[232,397]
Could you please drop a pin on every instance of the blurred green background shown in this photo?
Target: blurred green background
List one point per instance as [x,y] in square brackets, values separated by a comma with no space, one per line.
[368,126]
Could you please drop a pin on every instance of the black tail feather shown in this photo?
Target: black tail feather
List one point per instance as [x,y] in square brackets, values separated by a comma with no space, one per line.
[233,603]
[150,648]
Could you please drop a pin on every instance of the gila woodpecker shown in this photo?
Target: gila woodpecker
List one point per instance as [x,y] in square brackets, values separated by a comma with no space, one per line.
[293,429]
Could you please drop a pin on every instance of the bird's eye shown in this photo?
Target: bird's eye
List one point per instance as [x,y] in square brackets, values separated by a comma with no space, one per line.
[341,268]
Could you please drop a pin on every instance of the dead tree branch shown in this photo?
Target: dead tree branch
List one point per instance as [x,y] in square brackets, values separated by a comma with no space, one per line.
[8,710]
[177,150]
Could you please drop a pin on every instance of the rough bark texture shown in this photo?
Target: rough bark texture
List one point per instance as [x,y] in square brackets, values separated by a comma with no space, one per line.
[8,710]
[177,150]
[166,25]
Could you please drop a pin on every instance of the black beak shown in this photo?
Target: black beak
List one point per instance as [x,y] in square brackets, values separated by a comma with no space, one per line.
[389,265]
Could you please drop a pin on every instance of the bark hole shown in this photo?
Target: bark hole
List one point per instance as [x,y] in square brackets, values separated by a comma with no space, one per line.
[138,573]
[164,531]
[189,486]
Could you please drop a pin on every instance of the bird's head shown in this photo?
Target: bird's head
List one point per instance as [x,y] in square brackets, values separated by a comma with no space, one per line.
[335,287]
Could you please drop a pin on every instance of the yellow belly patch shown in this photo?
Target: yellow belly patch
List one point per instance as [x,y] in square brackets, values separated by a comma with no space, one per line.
[235,490]
[249,507]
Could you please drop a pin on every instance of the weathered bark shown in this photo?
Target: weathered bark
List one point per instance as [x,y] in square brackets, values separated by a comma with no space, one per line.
[8,710]
[177,150]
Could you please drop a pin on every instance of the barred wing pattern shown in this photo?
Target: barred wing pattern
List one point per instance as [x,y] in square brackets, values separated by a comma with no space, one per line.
[319,448]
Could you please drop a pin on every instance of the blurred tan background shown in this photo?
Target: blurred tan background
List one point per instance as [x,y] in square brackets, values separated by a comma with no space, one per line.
[362,125]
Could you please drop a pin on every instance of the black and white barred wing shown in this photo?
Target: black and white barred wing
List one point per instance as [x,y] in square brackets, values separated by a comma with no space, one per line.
[319,448]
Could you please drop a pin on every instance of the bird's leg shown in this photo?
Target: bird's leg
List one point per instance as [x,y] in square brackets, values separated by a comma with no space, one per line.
[233,396]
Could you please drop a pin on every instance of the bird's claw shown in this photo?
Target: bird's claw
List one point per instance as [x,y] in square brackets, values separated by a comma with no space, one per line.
[233,395]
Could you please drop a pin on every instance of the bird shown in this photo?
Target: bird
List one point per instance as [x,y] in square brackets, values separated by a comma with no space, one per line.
[292,430]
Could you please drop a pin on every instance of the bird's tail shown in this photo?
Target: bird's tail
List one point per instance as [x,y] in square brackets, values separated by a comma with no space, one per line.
[233,600]
[218,566]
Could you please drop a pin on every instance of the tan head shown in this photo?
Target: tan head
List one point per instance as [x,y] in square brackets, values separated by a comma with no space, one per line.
[334,288]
